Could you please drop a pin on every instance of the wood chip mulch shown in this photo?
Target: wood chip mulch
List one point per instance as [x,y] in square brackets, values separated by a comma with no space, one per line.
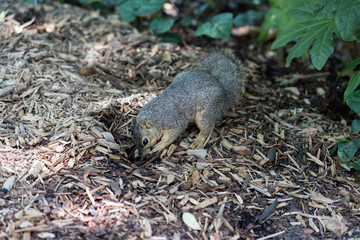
[71,82]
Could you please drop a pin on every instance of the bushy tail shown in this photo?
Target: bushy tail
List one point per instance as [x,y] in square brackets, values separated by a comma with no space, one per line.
[223,65]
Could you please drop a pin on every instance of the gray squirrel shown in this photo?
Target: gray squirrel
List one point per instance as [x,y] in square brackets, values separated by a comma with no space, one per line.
[202,95]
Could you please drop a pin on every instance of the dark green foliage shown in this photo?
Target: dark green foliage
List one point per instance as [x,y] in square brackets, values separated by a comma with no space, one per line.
[355,126]
[207,16]
[355,165]
[250,17]
[171,38]
[131,9]
[346,151]
[186,21]
[353,101]
[312,24]
[161,25]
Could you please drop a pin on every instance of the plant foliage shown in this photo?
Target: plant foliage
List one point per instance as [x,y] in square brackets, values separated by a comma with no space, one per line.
[131,9]
[205,16]
[346,150]
[161,25]
[219,27]
[313,24]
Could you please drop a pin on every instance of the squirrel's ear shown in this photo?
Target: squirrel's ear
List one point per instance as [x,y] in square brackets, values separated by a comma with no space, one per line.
[145,124]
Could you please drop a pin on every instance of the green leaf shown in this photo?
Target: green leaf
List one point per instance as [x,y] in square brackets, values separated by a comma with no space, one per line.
[201,9]
[133,8]
[349,66]
[342,140]
[250,17]
[326,9]
[186,21]
[303,10]
[347,19]
[97,5]
[271,20]
[127,10]
[278,15]
[149,7]
[356,141]
[171,38]
[333,150]
[346,151]
[352,85]
[219,27]
[353,101]
[300,48]
[161,25]
[355,165]
[308,31]
[355,126]
[295,31]
[324,44]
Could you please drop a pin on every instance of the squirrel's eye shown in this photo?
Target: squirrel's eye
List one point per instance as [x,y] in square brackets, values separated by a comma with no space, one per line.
[145,141]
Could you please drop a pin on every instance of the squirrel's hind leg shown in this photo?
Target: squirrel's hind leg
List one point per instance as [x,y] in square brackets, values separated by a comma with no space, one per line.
[205,121]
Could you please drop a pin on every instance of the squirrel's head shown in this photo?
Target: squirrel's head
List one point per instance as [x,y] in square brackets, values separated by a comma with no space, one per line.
[145,135]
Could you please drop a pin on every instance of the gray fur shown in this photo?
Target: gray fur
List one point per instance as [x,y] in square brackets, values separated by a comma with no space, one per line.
[214,86]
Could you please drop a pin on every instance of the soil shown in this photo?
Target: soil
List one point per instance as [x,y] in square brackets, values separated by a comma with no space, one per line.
[71,83]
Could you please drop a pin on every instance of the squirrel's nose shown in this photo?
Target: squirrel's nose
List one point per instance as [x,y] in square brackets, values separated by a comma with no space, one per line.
[138,153]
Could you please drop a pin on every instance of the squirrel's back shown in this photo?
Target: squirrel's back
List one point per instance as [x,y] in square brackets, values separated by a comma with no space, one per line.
[224,66]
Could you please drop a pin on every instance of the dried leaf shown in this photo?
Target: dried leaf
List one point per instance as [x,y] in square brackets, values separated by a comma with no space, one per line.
[335,225]
[190,220]
[318,197]
[170,178]
[200,153]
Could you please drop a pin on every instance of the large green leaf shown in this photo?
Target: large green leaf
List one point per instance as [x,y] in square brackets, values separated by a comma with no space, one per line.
[353,101]
[302,10]
[161,25]
[296,30]
[308,31]
[219,27]
[324,44]
[352,85]
[325,9]
[347,19]
[300,47]
[349,66]
[278,15]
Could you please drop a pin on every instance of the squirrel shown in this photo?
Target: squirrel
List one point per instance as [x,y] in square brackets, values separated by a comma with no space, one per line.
[202,95]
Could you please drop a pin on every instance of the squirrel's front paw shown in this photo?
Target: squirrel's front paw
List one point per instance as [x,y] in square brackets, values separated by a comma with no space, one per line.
[157,148]
[198,143]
